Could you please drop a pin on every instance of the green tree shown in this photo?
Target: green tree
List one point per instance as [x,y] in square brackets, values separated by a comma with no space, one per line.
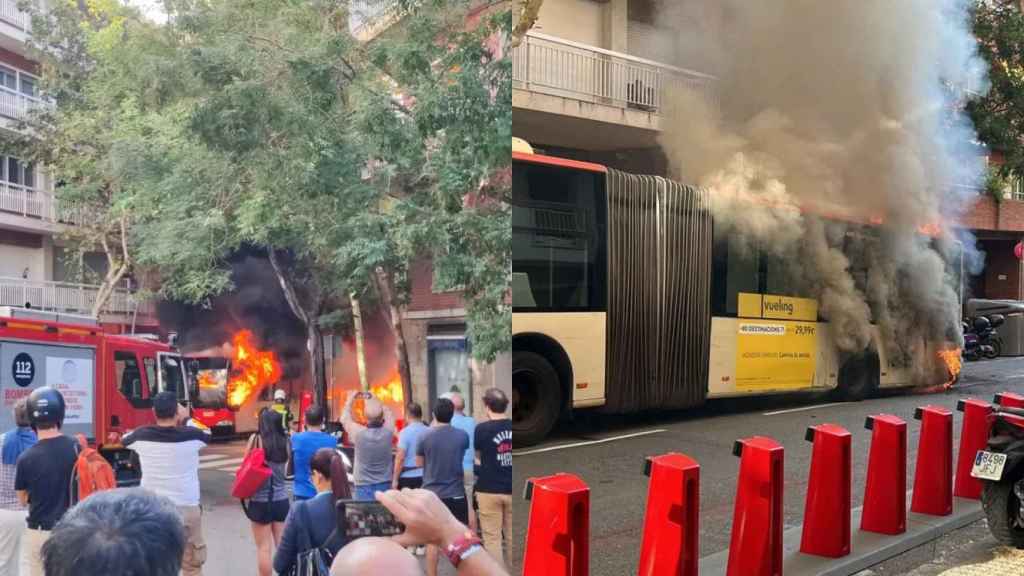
[262,125]
[998,116]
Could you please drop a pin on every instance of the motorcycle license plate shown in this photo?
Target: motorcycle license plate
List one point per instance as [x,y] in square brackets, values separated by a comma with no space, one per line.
[988,465]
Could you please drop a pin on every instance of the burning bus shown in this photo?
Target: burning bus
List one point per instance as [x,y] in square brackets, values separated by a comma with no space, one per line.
[609,316]
[227,386]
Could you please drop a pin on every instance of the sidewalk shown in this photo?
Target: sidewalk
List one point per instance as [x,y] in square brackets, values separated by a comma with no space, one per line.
[968,551]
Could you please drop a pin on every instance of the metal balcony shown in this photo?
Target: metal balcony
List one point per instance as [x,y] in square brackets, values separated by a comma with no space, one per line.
[10,14]
[35,203]
[67,297]
[557,67]
[15,105]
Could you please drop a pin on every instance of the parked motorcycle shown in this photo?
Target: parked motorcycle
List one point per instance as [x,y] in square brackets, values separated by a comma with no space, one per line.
[973,348]
[1001,470]
[990,335]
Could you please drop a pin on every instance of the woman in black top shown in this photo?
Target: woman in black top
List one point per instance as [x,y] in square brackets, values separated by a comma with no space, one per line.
[311,522]
[267,509]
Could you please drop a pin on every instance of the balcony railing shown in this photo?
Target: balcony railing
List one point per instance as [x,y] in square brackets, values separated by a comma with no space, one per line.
[9,13]
[33,203]
[15,105]
[559,67]
[66,297]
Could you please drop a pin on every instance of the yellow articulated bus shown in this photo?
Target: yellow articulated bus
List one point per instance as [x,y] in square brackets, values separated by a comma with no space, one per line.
[624,300]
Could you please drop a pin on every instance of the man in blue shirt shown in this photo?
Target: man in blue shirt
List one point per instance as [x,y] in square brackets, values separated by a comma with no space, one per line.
[467,425]
[304,445]
[407,474]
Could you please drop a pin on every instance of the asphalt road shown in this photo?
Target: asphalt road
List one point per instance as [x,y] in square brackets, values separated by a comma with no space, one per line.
[614,469]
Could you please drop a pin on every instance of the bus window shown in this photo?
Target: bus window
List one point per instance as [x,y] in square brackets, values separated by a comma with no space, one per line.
[558,239]
[736,269]
[129,378]
[782,277]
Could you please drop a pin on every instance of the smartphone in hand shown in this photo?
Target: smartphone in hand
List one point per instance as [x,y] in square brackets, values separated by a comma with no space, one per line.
[358,518]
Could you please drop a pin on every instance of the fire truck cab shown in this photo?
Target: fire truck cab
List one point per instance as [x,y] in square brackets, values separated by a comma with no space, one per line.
[108,381]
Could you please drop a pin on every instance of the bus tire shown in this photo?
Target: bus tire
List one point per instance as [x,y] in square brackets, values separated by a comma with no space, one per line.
[857,379]
[536,398]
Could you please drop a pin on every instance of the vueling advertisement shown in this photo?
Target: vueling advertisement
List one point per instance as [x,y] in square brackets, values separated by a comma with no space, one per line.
[776,343]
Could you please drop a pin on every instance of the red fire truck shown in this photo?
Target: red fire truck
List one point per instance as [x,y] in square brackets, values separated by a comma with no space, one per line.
[107,380]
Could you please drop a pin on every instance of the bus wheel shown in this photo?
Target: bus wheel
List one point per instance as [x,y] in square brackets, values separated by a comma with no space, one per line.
[536,398]
[856,381]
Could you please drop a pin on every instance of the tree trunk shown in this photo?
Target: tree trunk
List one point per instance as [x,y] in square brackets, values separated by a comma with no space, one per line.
[314,341]
[116,268]
[357,321]
[529,11]
[385,284]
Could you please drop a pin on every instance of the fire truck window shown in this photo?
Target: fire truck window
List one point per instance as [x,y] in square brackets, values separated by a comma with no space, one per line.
[126,366]
[151,375]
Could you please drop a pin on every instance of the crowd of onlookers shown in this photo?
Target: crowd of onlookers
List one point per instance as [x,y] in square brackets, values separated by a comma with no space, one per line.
[446,483]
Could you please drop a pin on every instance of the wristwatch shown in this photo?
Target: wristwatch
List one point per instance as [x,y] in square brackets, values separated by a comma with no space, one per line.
[462,547]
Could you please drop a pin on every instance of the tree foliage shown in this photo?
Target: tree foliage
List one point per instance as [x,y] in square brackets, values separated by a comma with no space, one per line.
[998,116]
[267,125]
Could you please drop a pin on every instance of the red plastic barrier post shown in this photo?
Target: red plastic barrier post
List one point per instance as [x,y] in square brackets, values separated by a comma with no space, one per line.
[558,532]
[973,437]
[756,545]
[885,492]
[671,524]
[933,476]
[827,508]
[1009,400]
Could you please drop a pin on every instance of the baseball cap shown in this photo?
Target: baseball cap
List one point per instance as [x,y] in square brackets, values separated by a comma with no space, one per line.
[279,394]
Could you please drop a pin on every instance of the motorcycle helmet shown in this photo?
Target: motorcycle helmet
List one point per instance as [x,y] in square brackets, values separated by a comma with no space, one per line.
[981,324]
[996,320]
[46,406]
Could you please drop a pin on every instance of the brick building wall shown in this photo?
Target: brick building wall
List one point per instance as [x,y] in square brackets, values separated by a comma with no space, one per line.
[435,324]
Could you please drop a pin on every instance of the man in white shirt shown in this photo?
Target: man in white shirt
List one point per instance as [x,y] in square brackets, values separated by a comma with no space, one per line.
[169,454]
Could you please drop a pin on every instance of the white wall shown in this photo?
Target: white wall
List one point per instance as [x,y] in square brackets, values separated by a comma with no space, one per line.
[14,260]
[576,20]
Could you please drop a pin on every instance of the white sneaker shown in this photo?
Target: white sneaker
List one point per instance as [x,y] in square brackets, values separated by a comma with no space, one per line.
[421,550]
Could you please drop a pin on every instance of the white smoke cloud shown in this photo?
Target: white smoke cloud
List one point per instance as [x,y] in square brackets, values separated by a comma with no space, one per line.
[849,107]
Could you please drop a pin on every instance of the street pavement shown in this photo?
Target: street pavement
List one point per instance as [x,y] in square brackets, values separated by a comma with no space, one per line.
[231,550]
[613,467]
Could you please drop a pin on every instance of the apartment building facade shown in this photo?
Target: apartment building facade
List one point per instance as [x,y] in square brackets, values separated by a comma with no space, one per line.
[33,261]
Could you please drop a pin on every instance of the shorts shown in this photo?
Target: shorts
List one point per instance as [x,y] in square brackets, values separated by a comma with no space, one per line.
[266,512]
[411,483]
[458,507]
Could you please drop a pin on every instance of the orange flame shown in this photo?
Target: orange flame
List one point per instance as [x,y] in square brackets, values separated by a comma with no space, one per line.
[206,379]
[252,369]
[951,358]
[389,391]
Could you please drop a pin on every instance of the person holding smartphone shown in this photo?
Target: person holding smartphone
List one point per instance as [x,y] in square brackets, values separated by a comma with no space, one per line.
[316,518]
[427,520]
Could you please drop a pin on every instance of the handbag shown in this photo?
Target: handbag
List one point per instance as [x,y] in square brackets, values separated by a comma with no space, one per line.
[313,560]
[252,474]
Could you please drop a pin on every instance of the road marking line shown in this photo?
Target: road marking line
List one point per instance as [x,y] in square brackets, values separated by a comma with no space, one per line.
[588,443]
[220,463]
[231,470]
[802,408]
[207,457]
